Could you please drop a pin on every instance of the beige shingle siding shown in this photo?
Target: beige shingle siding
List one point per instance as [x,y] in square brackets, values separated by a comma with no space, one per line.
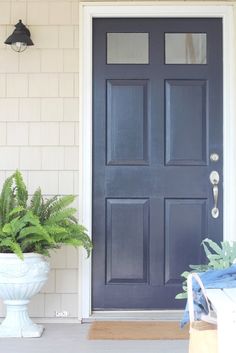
[39,122]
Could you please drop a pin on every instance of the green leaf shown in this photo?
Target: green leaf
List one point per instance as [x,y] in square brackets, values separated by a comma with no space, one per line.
[55,229]
[12,246]
[7,228]
[183,295]
[215,257]
[207,251]
[62,203]
[16,210]
[29,244]
[50,201]
[60,216]
[38,230]
[31,218]
[41,250]
[21,191]
[185,274]
[45,210]
[73,219]
[36,201]
[14,226]
[199,268]
[7,199]
[214,246]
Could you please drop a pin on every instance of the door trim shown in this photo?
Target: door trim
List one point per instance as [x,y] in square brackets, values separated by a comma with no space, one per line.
[88,11]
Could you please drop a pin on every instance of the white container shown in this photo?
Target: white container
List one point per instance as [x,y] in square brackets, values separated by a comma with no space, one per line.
[19,281]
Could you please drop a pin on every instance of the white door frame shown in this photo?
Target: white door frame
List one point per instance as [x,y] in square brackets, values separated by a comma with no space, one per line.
[88,11]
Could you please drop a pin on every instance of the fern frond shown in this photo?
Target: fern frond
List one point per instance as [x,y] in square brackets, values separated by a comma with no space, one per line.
[77,232]
[36,201]
[41,250]
[11,246]
[21,191]
[73,219]
[45,208]
[16,210]
[50,201]
[14,226]
[62,203]
[54,229]
[86,243]
[7,199]
[7,229]
[35,230]
[31,218]
[60,216]
[28,244]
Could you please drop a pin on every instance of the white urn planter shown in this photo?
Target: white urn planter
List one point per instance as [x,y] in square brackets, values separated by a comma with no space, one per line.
[19,281]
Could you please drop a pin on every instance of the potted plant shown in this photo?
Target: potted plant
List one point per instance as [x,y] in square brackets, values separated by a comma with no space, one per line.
[218,257]
[29,229]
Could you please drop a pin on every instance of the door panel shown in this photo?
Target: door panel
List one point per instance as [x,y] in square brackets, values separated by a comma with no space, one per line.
[154,128]
[127,233]
[127,122]
[186,137]
[185,223]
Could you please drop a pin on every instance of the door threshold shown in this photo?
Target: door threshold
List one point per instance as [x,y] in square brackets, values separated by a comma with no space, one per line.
[150,315]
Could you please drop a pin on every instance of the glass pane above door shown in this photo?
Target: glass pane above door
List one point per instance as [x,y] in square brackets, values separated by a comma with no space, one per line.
[185,48]
[127,48]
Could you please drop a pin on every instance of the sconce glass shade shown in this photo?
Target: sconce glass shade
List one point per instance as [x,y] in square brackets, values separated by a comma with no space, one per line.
[19,46]
[20,38]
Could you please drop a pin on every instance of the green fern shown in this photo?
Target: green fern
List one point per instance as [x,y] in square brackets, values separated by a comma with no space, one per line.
[37,225]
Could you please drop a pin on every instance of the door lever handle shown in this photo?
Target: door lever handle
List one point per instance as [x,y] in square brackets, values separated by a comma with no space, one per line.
[214,179]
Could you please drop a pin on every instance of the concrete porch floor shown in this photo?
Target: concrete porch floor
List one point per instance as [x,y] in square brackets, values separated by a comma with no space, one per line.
[72,338]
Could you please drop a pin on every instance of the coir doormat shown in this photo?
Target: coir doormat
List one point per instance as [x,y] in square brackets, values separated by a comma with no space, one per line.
[137,330]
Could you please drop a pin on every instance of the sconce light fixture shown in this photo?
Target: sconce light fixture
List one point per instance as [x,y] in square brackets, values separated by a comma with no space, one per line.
[20,38]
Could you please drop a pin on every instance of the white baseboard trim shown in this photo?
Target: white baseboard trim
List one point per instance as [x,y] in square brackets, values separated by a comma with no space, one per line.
[152,315]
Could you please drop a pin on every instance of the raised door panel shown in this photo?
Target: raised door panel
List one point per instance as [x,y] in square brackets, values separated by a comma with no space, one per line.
[127,240]
[185,228]
[186,122]
[127,122]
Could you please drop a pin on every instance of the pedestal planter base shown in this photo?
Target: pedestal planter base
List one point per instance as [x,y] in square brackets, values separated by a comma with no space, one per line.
[17,322]
[19,281]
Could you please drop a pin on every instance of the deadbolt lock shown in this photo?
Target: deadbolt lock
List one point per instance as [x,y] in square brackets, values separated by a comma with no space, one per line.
[214,157]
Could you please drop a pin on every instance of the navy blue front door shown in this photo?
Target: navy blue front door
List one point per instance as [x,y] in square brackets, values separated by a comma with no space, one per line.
[157,119]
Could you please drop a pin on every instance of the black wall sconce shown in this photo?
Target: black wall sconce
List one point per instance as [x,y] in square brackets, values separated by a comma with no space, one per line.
[20,38]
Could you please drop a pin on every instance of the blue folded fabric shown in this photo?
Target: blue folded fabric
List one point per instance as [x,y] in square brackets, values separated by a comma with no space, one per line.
[211,279]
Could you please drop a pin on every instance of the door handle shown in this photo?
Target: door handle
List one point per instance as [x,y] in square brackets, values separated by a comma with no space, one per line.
[214,179]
